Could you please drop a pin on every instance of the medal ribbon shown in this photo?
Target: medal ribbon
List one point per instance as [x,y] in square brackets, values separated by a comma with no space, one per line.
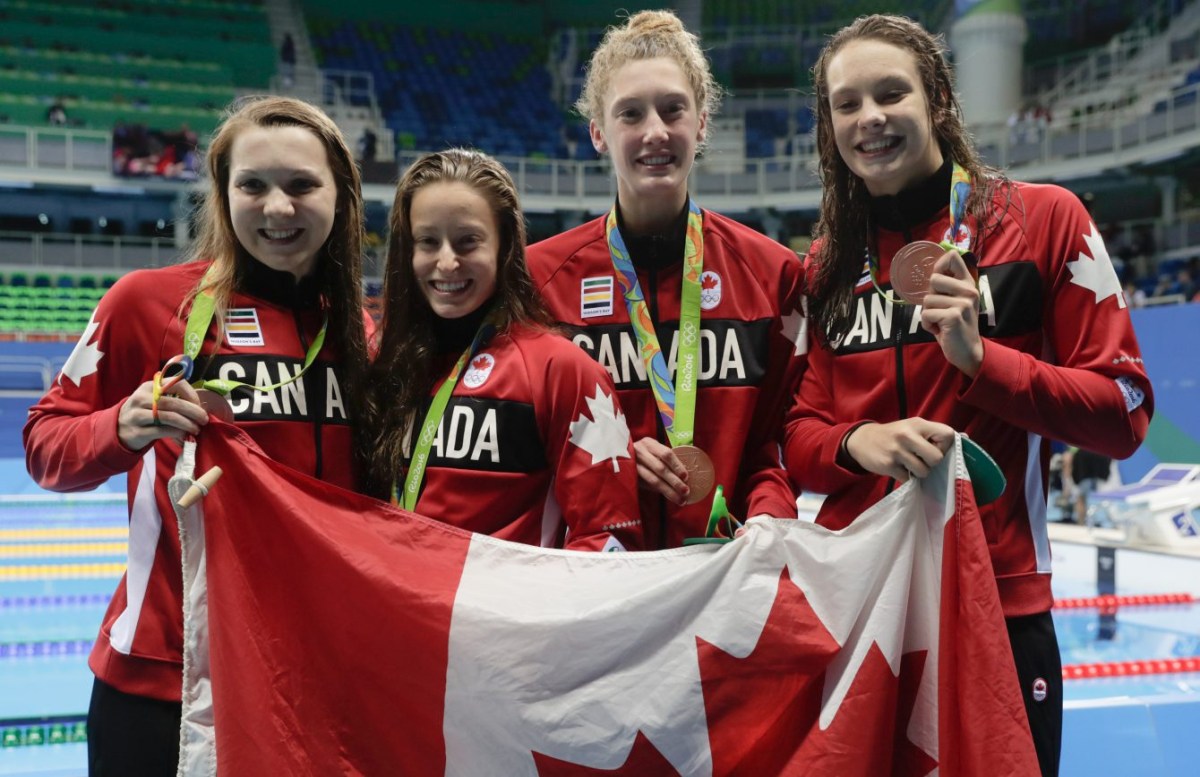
[676,401]
[433,418]
[960,191]
[200,319]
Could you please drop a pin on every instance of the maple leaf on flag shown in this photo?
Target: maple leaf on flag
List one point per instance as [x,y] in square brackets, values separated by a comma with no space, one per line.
[769,701]
[85,357]
[644,759]
[605,435]
[1095,272]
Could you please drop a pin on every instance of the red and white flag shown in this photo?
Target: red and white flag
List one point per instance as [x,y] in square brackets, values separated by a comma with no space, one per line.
[328,633]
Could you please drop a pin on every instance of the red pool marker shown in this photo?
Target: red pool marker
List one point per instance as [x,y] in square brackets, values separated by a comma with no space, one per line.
[1110,603]
[1131,668]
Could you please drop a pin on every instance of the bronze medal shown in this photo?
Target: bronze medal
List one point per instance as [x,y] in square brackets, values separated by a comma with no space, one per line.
[701,475]
[215,405]
[912,267]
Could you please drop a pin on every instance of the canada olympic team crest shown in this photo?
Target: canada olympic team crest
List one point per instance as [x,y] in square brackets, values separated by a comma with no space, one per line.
[478,370]
[710,290]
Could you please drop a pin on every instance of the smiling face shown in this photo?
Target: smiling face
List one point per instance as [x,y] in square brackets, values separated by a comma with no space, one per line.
[282,196]
[456,244]
[651,127]
[881,116]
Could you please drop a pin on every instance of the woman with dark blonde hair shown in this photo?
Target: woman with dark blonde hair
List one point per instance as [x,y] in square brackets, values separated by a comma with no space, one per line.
[946,298]
[264,326]
[479,415]
[659,282]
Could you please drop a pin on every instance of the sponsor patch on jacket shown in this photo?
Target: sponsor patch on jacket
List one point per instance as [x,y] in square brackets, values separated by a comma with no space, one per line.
[710,290]
[1134,396]
[865,277]
[596,296]
[478,370]
[242,328]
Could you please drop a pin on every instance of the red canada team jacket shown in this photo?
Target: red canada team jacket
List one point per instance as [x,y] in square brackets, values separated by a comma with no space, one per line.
[752,349]
[71,443]
[1060,363]
[533,448]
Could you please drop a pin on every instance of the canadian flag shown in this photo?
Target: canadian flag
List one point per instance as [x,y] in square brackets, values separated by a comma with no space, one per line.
[328,633]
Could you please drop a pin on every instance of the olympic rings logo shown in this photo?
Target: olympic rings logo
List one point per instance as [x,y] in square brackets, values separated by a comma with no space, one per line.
[687,333]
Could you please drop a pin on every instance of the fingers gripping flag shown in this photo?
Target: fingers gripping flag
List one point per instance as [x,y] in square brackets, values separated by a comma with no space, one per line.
[344,636]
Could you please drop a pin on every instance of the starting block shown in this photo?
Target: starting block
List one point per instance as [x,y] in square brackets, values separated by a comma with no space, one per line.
[1157,510]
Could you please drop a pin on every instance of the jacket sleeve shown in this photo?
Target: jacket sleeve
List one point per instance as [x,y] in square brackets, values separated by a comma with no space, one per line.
[764,479]
[1092,390]
[812,433]
[70,436]
[590,450]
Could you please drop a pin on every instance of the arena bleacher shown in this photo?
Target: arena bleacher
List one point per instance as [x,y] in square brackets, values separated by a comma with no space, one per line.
[102,104]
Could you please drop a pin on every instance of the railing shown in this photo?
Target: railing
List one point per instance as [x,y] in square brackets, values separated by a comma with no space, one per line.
[1173,126]
[46,148]
[25,374]
[1097,142]
[85,252]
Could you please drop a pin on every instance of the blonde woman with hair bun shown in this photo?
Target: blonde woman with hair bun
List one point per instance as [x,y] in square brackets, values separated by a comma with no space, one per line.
[659,282]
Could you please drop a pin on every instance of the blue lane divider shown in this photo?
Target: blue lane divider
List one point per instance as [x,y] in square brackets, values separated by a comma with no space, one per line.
[46,648]
[59,600]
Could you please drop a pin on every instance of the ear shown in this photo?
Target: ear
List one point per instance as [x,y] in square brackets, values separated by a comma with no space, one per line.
[597,134]
[702,131]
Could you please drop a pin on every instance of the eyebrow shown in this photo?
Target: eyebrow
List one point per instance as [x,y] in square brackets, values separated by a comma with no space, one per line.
[887,82]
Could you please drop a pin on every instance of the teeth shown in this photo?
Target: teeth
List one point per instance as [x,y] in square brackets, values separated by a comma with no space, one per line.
[449,287]
[281,234]
[877,145]
[656,160]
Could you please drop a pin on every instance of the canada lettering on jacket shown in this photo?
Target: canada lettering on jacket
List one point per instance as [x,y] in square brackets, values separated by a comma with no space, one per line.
[318,392]
[486,434]
[1009,304]
[731,353]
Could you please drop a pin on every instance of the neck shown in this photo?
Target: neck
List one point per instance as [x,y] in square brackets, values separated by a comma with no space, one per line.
[453,335]
[650,216]
[283,288]
[658,249]
[917,203]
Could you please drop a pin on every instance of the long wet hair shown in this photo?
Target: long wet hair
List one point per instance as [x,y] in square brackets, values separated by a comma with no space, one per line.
[405,368]
[845,202]
[339,261]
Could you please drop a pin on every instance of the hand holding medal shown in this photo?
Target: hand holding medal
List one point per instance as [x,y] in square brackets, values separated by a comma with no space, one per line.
[950,312]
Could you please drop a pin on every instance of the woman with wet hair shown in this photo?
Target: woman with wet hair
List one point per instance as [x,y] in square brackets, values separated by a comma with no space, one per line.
[946,298]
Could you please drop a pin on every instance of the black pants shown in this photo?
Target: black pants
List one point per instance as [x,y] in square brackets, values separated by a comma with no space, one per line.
[1039,670]
[131,736]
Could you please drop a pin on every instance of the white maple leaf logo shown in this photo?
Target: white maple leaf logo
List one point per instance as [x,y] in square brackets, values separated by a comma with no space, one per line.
[85,358]
[1095,273]
[605,435]
[795,327]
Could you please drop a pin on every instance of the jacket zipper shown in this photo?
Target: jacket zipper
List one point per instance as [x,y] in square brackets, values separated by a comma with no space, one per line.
[652,301]
[904,320]
[318,465]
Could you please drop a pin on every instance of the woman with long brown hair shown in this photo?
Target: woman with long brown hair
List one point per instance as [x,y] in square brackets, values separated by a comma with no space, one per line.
[480,415]
[946,298]
[269,311]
